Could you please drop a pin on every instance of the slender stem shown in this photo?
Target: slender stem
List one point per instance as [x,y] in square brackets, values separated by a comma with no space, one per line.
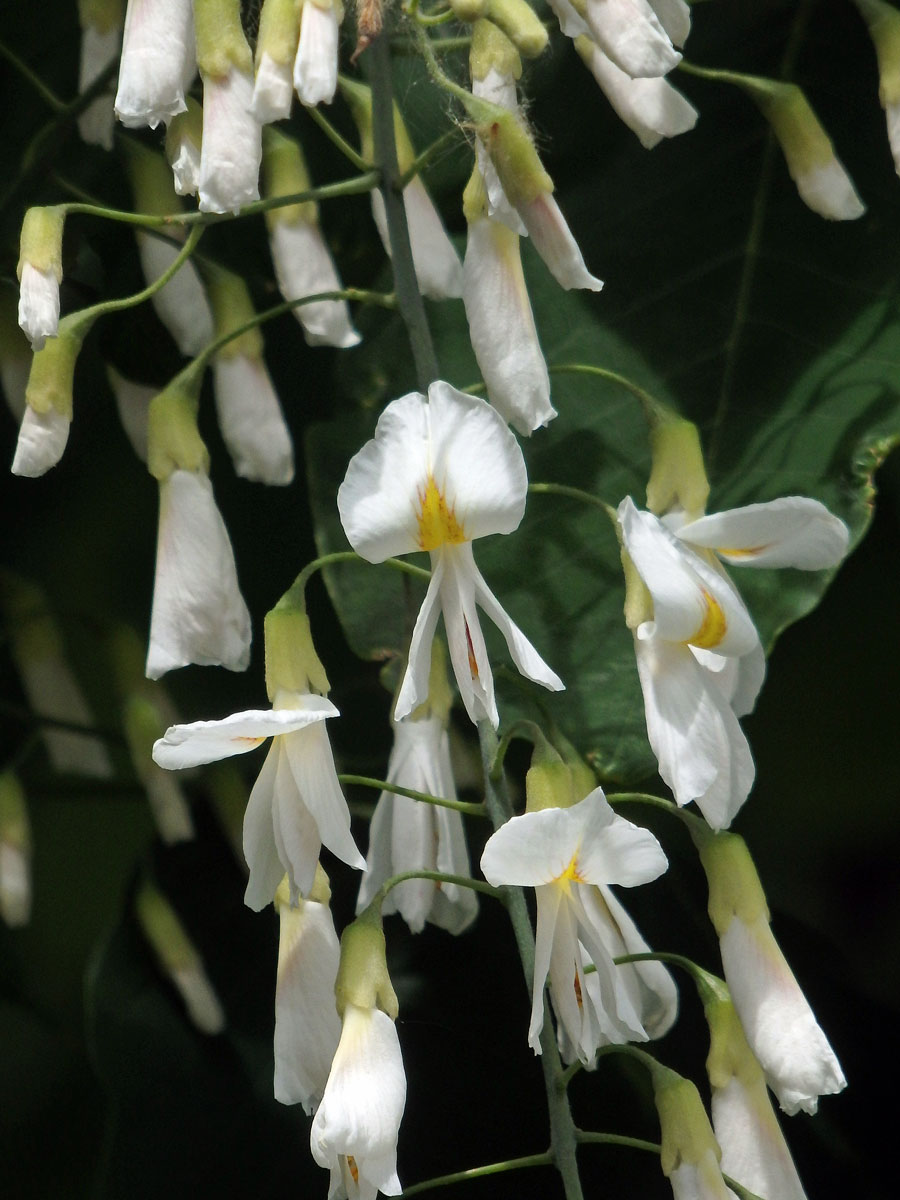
[381,785]
[409,298]
[338,139]
[434,18]
[520,729]
[296,593]
[109,306]
[49,97]
[654,409]
[437,73]
[574,493]
[510,1164]
[474,885]
[618,1139]
[644,798]
[563,1143]
[422,160]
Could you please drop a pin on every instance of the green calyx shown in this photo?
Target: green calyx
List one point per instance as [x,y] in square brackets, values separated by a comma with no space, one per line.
[285,174]
[686,1133]
[173,439]
[677,474]
[279,31]
[520,23]
[362,978]
[52,376]
[40,242]
[232,307]
[491,49]
[292,664]
[512,152]
[734,886]
[221,44]
[151,180]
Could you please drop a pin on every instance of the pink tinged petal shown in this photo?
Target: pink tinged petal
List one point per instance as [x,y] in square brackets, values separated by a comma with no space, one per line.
[363,1101]
[781,1029]
[42,440]
[98,50]
[199,615]
[316,64]
[502,329]
[555,244]
[260,849]
[200,742]
[273,90]
[793,531]
[675,18]
[700,747]
[312,764]
[631,34]
[38,304]
[692,601]
[251,420]
[307,1027]
[548,899]
[181,304]
[231,149]
[303,267]
[158,61]
[651,108]
[414,688]
[437,266]
[754,1151]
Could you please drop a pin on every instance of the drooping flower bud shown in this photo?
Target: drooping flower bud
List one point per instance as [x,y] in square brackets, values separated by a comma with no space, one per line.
[883,22]
[40,273]
[690,1153]
[276,49]
[101,37]
[158,61]
[520,23]
[44,431]
[184,137]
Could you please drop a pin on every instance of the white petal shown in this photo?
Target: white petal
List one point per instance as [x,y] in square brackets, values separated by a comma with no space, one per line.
[675,18]
[364,1100]
[303,267]
[438,269]
[231,150]
[38,304]
[783,1033]
[548,901]
[316,64]
[631,34]
[793,531]
[199,615]
[264,855]
[180,304]
[414,688]
[273,90]
[158,61]
[692,600]
[502,329]
[42,440]
[54,692]
[312,764]
[202,742]
[133,405]
[465,639]
[15,885]
[699,745]
[251,420]
[99,48]
[307,1027]
[754,1151]
[699,1181]
[496,88]
[570,22]
[555,244]
[652,108]
[828,190]
[185,164]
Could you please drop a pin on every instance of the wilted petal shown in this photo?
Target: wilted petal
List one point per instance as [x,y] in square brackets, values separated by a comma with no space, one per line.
[42,440]
[251,420]
[303,267]
[181,303]
[158,61]
[231,150]
[555,244]
[793,531]
[199,615]
[315,67]
[273,90]
[38,304]
[200,742]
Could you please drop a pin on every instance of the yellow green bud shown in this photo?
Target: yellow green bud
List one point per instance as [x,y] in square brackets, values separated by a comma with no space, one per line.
[474,200]
[279,31]
[151,182]
[677,474]
[232,307]
[548,782]
[362,978]
[468,10]
[285,174]
[883,22]
[686,1133]
[730,1056]
[221,44]
[52,377]
[734,886]
[521,25]
[173,439]
[292,664]
[512,152]
[492,49]
[40,242]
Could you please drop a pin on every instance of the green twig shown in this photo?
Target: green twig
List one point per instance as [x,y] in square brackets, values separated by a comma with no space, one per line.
[474,885]
[49,97]
[654,410]
[423,159]
[295,596]
[338,139]
[471,810]
[509,1164]
[573,493]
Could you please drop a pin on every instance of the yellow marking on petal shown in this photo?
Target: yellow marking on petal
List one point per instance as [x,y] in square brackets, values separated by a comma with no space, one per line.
[473,664]
[713,627]
[745,552]
[244,739]
[353,1168]
[571,874]
[579,999]
[437,521]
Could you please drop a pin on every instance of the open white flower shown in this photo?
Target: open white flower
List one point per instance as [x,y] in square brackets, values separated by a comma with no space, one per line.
[231,149]
[158,61]
[296,804]
[439,473]
[307,1026]
[565,854]
[303,267]
[199,615]
[181,303]
[316,64]
[354,1132]
[409,835]
[251,419]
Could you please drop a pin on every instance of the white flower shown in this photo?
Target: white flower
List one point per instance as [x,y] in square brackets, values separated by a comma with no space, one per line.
[42,440]
[354,1132]
[303,267]
[296,804]
[231,149]
[631,33]
[38,303]
[307,1026]
[564,854]
[502,329]
[439,473]
[181,302]
[273,90]
[410,835]
[99,48]
[781,1028]
[438,269]
[158,61]
[793,531]
[251,419]
[199,615]
[652,108]
[316,64]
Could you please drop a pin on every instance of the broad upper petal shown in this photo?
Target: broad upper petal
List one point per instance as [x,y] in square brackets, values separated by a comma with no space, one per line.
[793,531]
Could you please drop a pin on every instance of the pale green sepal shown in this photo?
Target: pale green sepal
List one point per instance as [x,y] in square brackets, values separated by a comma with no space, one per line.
[279,31]
[638,601]
[173,439]
[883,22]
[221,44]
[52,376]
[734,886]
[232,307]
[512,152]
[151,181]
[15,828]
[102,15]
[521,25]
[730,1056]
[292,664]
[468,10]
[320,892]
[285,174]
[677,473]
[548,782]
[491,50]
[362,978]
[686,1133]
[40,242]
[359,100]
